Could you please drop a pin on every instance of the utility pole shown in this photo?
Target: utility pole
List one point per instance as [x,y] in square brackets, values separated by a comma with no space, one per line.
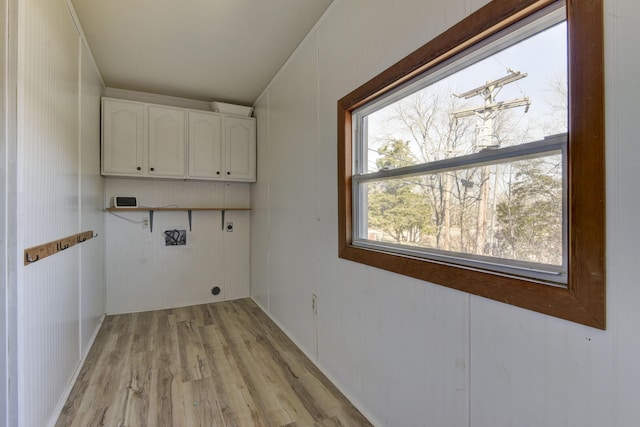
[486,136]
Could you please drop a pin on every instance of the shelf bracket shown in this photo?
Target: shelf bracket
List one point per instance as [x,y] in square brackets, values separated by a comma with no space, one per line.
[151,211]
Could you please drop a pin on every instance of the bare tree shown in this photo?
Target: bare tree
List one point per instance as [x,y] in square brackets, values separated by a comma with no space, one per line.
[435,135]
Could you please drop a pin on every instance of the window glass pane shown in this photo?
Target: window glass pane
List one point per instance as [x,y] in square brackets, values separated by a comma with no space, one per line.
[511,97]
[511,210]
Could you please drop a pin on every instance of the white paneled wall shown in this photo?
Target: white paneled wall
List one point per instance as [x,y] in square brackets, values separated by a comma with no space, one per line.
[293,221]
[60,299]
[623,228]
[92,256]
[144,274]
[7,228]
[261,218]
[407,352]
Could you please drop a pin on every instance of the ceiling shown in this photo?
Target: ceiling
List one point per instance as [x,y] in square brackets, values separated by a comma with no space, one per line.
[211,50]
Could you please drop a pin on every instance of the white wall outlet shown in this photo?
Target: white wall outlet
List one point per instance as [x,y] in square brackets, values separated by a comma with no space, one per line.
[229,227]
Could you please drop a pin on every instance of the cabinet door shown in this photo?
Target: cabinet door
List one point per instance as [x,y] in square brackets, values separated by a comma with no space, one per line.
[240,148]
[166,142]
[205,145]
[123,138]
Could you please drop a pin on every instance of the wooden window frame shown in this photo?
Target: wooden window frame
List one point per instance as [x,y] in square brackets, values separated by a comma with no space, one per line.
[583,299]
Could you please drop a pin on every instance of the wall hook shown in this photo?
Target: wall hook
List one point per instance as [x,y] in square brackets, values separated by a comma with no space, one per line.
[94,235]
[28,256]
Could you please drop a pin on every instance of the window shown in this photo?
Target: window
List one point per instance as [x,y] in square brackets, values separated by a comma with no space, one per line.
[477,161]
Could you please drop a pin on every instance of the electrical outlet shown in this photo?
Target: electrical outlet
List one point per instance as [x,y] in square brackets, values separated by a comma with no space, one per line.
[314,303]
[229,227]
[145,223]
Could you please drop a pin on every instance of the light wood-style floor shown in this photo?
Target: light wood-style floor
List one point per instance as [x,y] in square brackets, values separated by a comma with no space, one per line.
[220,364]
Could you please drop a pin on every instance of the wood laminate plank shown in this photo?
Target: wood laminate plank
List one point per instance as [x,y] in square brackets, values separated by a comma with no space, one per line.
[136,410]
[192,358]
[117,371]
[161,408]
[202,405]
[143,334]
[236,406]
[85,377]
[220,364]
[274,373]
[265,404]
[303,374]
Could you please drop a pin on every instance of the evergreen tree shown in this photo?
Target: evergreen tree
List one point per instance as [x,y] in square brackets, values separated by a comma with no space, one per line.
[395,205]
[531,217]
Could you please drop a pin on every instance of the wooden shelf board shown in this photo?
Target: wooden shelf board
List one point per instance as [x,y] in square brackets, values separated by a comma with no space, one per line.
[188,210]
[176,209]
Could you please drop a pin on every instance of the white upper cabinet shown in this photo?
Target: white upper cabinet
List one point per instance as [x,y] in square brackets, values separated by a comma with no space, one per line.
[167,135]
[123,128]
[141,139]
[221,147]
[205,145]
[240,148]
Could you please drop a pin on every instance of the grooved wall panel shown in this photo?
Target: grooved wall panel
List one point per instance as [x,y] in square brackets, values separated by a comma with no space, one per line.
[294,223]
[7,228]
[92,274]
[260,254]
[49,205]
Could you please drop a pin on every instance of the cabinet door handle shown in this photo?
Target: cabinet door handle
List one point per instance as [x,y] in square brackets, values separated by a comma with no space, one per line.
[152,169]
[139,168]
[217,172]
[228,173]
